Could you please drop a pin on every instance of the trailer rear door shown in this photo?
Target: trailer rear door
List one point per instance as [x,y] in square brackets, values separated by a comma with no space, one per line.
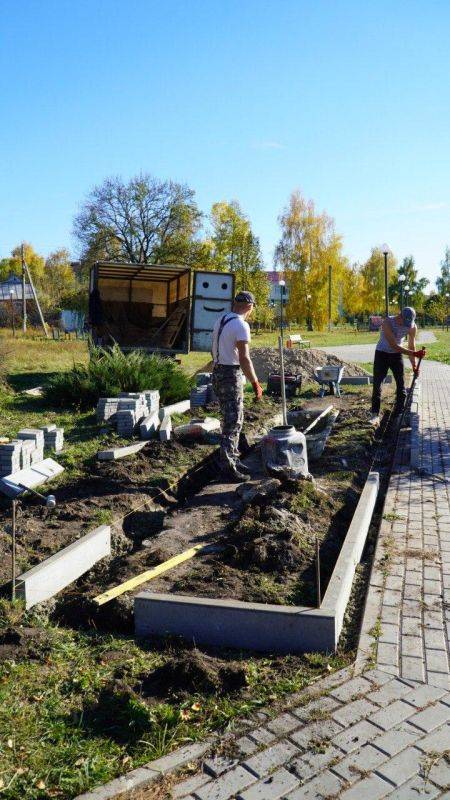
[213,294]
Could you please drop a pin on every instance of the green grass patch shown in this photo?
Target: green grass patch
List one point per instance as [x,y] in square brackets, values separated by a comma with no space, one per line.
[440,350]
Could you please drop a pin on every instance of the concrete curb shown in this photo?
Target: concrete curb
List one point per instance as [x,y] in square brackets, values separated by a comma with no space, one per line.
[258,626]
[55,573]
[414,423]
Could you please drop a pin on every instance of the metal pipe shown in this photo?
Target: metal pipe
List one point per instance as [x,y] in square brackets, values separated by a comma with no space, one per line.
[283,385]
[386,284]
[319,593]
[329,297]
[13,554]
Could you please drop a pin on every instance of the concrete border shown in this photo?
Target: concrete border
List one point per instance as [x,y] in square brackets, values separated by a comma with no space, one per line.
[115,453]
[256,626]
[55,573]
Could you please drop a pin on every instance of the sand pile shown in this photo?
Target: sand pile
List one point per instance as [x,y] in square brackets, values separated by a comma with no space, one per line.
[298,362]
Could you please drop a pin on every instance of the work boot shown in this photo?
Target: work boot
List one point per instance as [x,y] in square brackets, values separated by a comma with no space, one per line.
[232,474]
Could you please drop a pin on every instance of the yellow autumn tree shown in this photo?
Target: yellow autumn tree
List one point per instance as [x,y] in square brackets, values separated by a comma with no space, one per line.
[372,290]
[308,246]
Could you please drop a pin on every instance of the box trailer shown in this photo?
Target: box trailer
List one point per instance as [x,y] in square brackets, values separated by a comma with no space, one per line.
[164,308]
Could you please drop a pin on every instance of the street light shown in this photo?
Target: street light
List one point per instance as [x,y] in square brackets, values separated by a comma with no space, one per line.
[308,315]
[13,321]
[447,297]
[401,278]
[385,251]
[282,285]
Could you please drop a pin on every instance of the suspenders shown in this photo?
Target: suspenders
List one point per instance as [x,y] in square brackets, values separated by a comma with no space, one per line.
[224,321]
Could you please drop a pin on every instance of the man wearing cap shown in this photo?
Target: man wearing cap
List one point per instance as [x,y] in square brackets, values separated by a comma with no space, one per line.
[231,355]
[389,355]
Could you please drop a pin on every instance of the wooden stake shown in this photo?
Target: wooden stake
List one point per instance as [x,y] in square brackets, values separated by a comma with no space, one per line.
[13,554]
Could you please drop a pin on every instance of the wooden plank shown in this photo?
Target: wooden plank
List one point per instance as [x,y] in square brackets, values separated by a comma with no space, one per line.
[324,413]
[132,583]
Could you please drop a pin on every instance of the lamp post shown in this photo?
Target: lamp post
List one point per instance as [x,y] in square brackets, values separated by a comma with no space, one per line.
[406,293]
[13,321]
[385,251]
[401,278]
[282,285]
[447,298]
[329,297]
[308,312]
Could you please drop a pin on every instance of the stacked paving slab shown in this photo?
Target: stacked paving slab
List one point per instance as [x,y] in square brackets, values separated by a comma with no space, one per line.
[107,408]
[128,410]
[203,393]
[10,457]
[35,435]
[53,438]
[28,448]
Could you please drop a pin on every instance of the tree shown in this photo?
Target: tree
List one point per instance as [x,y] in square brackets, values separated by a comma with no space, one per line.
[142,221]
[443,282]
[60,279]
[435,306]
[13,264]
[235,248]
[307,247]
[415,295]
[372,281]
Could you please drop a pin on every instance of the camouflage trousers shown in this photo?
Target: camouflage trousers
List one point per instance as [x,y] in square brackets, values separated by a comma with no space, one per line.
[228,386]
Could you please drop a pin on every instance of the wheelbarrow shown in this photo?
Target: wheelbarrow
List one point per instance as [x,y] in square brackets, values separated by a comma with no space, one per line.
[329,377]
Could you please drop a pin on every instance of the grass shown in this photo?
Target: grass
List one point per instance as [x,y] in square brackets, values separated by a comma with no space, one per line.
[440,350]
[334,338]
[63,730]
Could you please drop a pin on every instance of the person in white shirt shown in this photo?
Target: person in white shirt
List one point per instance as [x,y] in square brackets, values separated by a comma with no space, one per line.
[231,356]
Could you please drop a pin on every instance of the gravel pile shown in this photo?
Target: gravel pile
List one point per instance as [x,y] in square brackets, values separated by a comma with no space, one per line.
[298,362]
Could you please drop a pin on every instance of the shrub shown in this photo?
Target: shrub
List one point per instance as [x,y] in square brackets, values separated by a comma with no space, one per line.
[111,371]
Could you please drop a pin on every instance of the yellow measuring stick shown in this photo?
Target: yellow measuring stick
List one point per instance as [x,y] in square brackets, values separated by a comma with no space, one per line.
[149,574]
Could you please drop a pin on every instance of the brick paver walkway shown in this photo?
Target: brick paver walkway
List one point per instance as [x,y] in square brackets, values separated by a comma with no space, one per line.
[381,728]
[383,731]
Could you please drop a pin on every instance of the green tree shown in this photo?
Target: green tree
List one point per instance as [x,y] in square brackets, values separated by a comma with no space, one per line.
[408,276]
[308,245]
[142,221]
[435,306]
[443,281]
[13,264]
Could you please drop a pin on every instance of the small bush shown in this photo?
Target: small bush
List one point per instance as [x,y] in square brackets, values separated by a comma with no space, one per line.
[110,371]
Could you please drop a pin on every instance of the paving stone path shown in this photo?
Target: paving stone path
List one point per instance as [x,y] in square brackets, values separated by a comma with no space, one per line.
[382,727]
[365,352]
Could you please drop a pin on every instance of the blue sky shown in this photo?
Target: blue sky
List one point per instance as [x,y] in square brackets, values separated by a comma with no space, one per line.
[246,100]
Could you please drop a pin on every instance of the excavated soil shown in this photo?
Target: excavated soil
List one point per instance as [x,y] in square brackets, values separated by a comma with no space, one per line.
[298,362]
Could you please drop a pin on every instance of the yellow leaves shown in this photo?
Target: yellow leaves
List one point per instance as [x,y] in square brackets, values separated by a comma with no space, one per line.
[185,714]
[10,744]
[41,785]
[196,707]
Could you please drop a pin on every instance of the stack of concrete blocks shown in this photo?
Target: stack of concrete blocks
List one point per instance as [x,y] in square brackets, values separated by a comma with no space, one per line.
[212,397]
[107,408]
[37,436]
[203,378]
[28,446]
[10,457]
[152,400]
[165,430]
[131,409]
[53,438]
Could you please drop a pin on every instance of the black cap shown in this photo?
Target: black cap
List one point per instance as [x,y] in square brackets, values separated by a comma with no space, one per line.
[245,297]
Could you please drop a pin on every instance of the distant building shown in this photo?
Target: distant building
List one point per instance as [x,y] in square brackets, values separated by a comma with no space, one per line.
[12,289]
[274,279]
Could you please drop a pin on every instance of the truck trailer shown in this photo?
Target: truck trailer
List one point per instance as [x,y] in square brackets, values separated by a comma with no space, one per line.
[163,308]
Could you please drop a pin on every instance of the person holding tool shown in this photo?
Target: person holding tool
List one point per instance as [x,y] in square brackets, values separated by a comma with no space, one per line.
[389,355]
[231,356]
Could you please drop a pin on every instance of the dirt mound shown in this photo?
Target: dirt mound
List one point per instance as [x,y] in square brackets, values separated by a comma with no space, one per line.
[191,672]
[21,643]
[298,362]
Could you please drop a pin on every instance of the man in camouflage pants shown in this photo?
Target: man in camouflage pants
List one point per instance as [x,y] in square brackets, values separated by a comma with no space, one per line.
[230,349]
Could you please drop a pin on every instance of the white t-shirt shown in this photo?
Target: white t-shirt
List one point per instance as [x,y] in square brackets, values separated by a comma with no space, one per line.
[236,330]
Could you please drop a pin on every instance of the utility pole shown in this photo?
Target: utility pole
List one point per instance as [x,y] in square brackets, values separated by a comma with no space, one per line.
[24,297]
[385,251]
[329,297]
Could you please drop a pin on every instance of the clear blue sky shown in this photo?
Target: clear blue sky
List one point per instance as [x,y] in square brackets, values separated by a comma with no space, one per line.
[241,99]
